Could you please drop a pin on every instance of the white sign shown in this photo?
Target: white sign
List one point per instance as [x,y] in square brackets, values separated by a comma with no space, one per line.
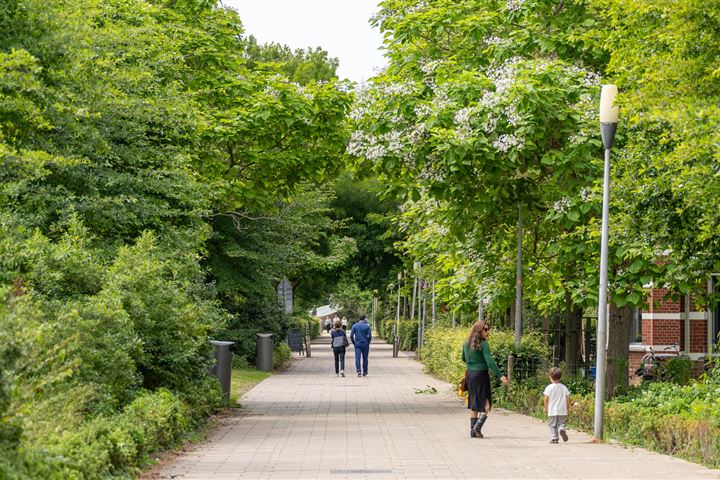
[285,295]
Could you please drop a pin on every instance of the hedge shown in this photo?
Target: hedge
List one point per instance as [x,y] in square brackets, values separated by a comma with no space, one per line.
[108,445]
[408,333]
[442,353]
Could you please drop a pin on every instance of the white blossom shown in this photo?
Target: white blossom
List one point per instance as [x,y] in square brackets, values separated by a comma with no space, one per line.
[514,5]
[512,115]
[429,67]
[490,124]
[394,141]
[268,90]
[463,135]
[507,142]
[464,116]
[434,172]
[561,206]
[422,110]
[577,139]
[586,194]
[493,40]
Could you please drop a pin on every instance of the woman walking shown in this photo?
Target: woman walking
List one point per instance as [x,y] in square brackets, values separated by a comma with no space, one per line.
[339,342]
[476,353]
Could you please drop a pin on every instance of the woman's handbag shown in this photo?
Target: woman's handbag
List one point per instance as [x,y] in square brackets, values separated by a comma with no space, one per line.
[345,341]
[463,383]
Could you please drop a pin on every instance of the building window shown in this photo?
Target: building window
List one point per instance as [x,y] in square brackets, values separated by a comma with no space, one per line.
[636,326]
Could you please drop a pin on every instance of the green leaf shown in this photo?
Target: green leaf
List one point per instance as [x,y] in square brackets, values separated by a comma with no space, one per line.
[636,266]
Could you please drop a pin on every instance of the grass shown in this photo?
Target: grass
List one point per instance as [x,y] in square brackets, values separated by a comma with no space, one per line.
[243,379]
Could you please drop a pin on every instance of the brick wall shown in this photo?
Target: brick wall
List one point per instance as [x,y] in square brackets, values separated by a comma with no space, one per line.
[647,325]
[665,332]
[657,303]
[698,336]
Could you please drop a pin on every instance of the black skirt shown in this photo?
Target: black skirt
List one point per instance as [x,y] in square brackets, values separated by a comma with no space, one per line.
[479,390]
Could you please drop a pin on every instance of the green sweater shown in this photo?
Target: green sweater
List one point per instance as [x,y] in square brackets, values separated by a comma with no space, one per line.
[479,359]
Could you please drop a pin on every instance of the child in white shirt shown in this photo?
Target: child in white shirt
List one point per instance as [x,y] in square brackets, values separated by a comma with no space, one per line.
[557,402]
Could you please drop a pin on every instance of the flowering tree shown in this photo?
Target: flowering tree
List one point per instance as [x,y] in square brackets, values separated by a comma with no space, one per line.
[479,135]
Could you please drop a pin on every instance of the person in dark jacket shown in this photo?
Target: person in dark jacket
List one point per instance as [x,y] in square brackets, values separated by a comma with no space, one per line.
[361,336]
[339,342]
[476,353]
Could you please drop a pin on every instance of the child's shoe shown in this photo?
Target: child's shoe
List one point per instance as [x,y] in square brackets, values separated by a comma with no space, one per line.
[554,440]
[564,436]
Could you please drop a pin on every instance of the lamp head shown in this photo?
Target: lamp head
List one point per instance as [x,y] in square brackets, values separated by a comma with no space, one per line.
[608,109]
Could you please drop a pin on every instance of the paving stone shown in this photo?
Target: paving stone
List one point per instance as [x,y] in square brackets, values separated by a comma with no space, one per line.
[307,423]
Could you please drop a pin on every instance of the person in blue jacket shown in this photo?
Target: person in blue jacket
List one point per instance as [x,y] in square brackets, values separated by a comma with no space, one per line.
[361,336]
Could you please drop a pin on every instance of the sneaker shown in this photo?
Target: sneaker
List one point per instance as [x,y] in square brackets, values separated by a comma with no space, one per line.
[364,374]
[564,436]
[342,374]
[554,440]
[359,374]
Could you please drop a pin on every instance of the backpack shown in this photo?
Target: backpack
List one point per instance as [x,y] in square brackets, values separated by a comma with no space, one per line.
[339,341]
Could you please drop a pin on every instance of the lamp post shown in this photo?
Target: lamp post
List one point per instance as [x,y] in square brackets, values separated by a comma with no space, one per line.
[396,342]
[608,127]
[481,305]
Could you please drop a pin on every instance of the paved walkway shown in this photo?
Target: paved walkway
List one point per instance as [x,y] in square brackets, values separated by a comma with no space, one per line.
[308,423]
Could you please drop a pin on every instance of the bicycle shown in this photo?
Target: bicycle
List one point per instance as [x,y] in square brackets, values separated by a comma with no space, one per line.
[652,365]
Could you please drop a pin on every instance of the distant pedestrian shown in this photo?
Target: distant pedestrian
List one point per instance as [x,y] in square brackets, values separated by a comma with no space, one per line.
[327,324]
[557,403]
[344,323]
[476,353]
[361,336]
[339,342]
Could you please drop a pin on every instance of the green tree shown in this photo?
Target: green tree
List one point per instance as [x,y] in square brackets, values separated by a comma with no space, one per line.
[302,66]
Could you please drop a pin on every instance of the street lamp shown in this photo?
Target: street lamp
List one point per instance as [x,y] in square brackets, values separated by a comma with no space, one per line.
[396,343]
[608,127]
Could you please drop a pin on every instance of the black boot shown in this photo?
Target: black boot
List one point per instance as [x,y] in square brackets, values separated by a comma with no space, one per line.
[478,426]
[473,421]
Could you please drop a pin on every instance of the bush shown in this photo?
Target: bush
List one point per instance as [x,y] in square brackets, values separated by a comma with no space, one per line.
[255,315]
[306,323]
[664,417]
[281,354]
[104,374]
[678,370]
[408,333]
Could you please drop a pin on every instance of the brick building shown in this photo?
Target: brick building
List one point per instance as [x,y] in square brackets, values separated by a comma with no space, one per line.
[666,325]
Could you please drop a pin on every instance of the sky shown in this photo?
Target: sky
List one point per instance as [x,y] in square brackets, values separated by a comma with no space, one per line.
[339,26]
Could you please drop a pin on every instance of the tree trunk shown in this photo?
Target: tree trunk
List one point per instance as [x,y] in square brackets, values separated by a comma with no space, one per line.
[545,324]
[573,317]
[618,348]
